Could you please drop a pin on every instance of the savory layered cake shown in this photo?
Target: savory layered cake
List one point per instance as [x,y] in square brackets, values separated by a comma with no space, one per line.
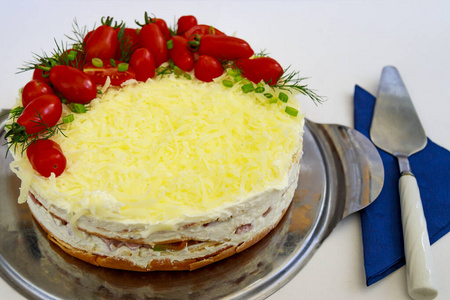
[157,162]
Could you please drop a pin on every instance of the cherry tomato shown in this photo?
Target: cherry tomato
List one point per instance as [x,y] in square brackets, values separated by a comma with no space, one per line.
[224,47]
[34,89]
[103,42]
[260,68]
[151,38]
[39,75]
[46,157]
[163,27]
[42,112]
[99,74]
[128,43]
[73,84]
[185,23]
[181,55]
[207,68]
[202,30]
[87,36]
[143,64]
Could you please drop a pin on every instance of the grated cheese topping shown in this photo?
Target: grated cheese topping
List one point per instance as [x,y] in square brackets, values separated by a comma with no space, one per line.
[168,149]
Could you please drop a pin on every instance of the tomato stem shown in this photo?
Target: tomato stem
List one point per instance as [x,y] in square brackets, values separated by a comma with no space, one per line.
[45,69]
[108,21]
[147,20]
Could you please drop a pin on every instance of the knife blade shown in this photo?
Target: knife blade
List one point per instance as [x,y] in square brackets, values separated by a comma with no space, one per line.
[396,129]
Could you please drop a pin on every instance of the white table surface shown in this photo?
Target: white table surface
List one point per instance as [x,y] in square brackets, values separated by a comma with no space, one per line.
[337,44]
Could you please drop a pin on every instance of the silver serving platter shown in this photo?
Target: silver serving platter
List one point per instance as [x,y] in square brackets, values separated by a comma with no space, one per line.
[341,172]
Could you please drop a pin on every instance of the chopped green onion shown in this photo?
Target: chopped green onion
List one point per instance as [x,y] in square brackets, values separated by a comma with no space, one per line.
[194,44]
[246,88]
[77,107]
[260,89]
[68,119]
[260,84]
[171,63]
[291,111]
[283,97]
[177,71]
[97,62]
[238,78]
[169,44]
[122,67]
[273,100]
[63,100]
[187,76]
[158,248]
[268,95]
[52,61]
[227,83]
[233,72]
[112,62]
[246,81]
[72,55]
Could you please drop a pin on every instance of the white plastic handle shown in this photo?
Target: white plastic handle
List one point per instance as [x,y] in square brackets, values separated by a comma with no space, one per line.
[419,261]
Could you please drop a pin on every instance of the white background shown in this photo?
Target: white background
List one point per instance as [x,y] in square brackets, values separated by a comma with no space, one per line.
[336,44]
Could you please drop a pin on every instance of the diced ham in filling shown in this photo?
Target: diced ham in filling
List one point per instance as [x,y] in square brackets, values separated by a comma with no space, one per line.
[243,228]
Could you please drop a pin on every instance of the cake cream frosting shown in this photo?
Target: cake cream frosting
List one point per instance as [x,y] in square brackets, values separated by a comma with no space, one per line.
[168,174]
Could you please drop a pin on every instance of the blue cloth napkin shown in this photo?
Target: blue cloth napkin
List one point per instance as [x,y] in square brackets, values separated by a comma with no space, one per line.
[381,221]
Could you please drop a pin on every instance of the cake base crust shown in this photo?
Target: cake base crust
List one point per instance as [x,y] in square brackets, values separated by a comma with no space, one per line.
[157,264]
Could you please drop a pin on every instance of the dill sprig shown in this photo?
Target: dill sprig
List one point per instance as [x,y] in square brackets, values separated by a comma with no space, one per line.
[174,27]
[63,53]
[292,81]
[261,53]
[125,44]
[78,35]
[171,68]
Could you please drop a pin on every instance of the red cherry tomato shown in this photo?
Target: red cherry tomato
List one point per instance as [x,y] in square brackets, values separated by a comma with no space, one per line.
[224,47]
[99,74]
[260,68]
[87,36]
[202,30]
[164,29]
[34,89]
[143,64]
[46,157]
[185,23]
[73,84]
[44,111]
[181,55]
[128,43]
[102,43]
[151,38]
[39,75]
[207,68]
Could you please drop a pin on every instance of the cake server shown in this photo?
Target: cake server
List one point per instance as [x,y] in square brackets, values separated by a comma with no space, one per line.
[396,129]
